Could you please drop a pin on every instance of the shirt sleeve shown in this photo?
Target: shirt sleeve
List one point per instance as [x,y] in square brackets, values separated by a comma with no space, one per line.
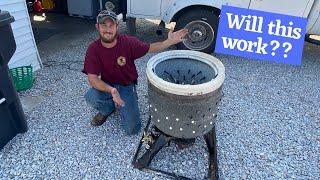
[138,48]
[91,62]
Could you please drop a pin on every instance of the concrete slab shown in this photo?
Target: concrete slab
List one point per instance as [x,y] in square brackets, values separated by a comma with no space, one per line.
[30,102]
[54,32]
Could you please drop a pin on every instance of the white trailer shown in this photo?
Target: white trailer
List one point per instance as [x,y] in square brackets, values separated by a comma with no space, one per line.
[201,17]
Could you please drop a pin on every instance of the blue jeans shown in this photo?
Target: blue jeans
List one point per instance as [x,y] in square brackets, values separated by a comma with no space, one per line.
[130,117]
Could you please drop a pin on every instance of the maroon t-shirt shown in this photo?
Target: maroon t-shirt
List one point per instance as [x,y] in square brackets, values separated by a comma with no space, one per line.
[116,64]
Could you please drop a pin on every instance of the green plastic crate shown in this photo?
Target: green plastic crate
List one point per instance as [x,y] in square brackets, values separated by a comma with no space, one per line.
[22,77]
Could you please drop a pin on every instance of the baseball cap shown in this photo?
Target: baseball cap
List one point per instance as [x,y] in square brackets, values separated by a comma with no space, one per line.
[104,14]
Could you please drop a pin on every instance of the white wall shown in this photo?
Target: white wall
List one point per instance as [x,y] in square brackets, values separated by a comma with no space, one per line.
[26,52]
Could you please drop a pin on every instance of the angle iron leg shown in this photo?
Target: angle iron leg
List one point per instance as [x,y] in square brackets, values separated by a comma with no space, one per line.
[147,157]
[211,142]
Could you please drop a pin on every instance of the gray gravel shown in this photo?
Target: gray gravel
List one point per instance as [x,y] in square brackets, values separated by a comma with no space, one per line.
[267,128]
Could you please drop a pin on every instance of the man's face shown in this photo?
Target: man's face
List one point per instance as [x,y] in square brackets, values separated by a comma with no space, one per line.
[108,30]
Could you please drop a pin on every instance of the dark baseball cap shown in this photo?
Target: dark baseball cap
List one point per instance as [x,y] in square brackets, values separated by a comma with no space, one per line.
[104,14]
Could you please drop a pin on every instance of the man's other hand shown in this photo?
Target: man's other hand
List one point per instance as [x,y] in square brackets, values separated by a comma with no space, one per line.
[116,97]
[173,38]
[176,37]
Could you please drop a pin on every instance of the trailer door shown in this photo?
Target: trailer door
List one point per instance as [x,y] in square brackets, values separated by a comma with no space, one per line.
[288,7]
[144,8]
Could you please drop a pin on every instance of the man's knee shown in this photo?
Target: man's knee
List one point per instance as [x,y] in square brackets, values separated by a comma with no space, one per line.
[90,96]
[96,98]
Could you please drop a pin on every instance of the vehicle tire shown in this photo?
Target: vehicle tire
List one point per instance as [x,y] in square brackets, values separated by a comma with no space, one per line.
[202,26]
[131,26]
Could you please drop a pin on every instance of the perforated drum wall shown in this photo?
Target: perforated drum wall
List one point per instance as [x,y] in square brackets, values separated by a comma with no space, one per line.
[184,90]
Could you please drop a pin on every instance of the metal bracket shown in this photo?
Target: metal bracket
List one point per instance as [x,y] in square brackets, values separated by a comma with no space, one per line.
[143,162]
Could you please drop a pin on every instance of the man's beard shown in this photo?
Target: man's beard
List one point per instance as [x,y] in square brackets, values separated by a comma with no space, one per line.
[106,40]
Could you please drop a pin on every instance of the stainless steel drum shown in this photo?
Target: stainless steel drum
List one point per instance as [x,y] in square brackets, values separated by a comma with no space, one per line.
[184,88]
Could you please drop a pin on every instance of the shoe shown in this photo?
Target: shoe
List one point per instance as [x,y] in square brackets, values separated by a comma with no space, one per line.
[98,119]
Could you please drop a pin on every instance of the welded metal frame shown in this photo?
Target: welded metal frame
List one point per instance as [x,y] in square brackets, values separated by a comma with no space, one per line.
[143,162]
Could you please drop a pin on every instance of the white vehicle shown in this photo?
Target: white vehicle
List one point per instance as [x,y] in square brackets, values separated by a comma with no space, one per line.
[201,17]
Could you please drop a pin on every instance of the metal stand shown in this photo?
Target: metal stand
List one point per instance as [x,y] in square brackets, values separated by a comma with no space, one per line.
[156,141]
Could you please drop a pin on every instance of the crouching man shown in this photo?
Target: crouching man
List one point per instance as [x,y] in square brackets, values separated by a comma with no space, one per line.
[109,65]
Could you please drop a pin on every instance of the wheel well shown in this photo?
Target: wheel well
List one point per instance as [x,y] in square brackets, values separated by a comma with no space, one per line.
[195,7]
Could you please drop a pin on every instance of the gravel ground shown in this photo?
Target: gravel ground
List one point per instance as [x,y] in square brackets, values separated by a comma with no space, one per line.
[267,128]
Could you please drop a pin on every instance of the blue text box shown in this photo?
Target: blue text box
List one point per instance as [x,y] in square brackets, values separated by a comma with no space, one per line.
[261,35]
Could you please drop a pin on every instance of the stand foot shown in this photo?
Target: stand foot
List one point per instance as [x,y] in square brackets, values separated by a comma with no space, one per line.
[211,142]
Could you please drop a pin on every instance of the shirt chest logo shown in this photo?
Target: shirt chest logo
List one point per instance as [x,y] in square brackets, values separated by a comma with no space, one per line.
[121,61]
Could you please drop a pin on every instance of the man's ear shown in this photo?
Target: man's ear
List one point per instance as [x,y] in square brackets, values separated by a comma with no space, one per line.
[97,26]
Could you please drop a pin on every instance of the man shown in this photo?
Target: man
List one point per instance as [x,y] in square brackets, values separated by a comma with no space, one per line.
[109,65]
